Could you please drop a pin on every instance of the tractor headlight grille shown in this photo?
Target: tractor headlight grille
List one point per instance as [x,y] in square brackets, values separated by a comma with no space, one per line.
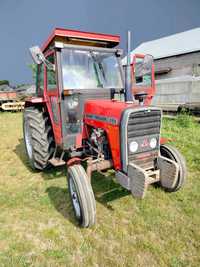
[140,134]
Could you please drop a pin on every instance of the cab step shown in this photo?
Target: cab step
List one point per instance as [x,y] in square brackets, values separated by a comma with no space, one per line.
[57,162]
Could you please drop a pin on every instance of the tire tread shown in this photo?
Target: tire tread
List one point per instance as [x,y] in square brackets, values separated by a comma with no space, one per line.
[42,140]
[86,195]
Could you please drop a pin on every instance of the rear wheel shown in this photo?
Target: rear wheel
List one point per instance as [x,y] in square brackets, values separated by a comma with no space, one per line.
[172,153]
[81,195]
[38,137]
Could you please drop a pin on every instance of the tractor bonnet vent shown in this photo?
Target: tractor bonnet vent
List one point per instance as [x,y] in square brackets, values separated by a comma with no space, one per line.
[144,123]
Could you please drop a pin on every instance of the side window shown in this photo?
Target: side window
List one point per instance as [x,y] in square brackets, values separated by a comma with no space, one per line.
[51,75]
[40,79]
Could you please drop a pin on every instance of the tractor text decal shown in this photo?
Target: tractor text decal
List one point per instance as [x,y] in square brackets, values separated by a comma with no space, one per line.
[102,118]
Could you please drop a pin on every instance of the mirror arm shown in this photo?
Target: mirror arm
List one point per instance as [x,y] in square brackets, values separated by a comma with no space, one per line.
[49,65]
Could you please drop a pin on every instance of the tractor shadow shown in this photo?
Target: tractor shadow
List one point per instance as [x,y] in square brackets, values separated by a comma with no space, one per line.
[48,174]
[60,199]
[21,154]
[106,190]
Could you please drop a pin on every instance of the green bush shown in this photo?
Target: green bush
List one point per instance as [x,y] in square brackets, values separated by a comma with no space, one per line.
[185,120]
[33,68]
[4,82]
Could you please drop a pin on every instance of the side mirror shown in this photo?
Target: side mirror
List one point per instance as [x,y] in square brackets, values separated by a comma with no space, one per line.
[144,67]
[39,58]
[148,62]
[37,55]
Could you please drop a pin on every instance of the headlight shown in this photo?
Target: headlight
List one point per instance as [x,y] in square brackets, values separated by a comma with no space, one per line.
[133,147]
[153,142]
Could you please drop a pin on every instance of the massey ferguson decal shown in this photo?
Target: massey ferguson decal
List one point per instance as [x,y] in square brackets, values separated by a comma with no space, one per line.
[145,143]
[102,118]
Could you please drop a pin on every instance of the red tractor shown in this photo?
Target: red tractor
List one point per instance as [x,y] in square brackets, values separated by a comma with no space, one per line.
[87,110]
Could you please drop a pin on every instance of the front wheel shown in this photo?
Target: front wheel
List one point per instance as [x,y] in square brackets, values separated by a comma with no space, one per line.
[172,153]
[82,196]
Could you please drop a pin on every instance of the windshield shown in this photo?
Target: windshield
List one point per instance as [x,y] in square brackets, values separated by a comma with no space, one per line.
[143,72]
[90,69]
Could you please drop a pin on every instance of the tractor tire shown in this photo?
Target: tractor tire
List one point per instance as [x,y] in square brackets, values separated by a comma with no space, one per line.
[172,153]
[82,196]
[38,137]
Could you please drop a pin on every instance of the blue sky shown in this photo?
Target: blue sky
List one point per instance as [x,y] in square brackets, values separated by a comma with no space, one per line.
[24,23]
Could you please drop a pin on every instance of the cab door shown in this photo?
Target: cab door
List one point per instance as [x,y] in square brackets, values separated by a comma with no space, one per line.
[143,80]
[52,98]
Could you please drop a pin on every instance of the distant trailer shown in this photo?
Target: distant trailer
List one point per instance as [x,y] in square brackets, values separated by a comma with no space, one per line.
[7,96]
[172,94]
[9,102]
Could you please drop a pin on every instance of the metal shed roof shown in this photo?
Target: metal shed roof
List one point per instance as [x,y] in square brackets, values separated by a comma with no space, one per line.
[176,44]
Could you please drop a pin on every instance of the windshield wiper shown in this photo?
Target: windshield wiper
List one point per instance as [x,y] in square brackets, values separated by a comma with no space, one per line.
[102,70]
[96,69]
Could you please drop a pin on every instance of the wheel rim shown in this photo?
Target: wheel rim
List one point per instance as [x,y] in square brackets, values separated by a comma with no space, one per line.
[75,199]
[28,140]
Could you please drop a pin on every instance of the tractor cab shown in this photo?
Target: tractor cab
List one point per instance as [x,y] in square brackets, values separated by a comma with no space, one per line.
[87,110]
[74,67]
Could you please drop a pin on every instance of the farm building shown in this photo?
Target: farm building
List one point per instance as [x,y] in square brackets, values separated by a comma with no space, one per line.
[177,68]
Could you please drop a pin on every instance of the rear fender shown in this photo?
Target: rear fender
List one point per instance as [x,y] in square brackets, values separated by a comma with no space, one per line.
[35,101]
[40,103]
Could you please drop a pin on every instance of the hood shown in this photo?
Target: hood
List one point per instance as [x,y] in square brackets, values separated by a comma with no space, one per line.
[109,111]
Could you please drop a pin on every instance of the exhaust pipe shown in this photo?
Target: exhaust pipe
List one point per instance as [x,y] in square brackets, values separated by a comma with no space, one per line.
[128,84]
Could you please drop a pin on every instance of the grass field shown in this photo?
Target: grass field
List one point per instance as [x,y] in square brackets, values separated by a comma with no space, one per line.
[37,227]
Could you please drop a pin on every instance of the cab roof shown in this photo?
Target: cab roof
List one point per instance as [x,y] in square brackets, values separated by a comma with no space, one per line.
[81,38]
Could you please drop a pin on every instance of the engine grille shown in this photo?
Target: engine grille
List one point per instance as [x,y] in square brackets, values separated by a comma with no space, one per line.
[141,127]
[144,123]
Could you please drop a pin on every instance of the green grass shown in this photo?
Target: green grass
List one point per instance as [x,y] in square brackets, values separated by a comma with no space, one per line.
[37,227]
